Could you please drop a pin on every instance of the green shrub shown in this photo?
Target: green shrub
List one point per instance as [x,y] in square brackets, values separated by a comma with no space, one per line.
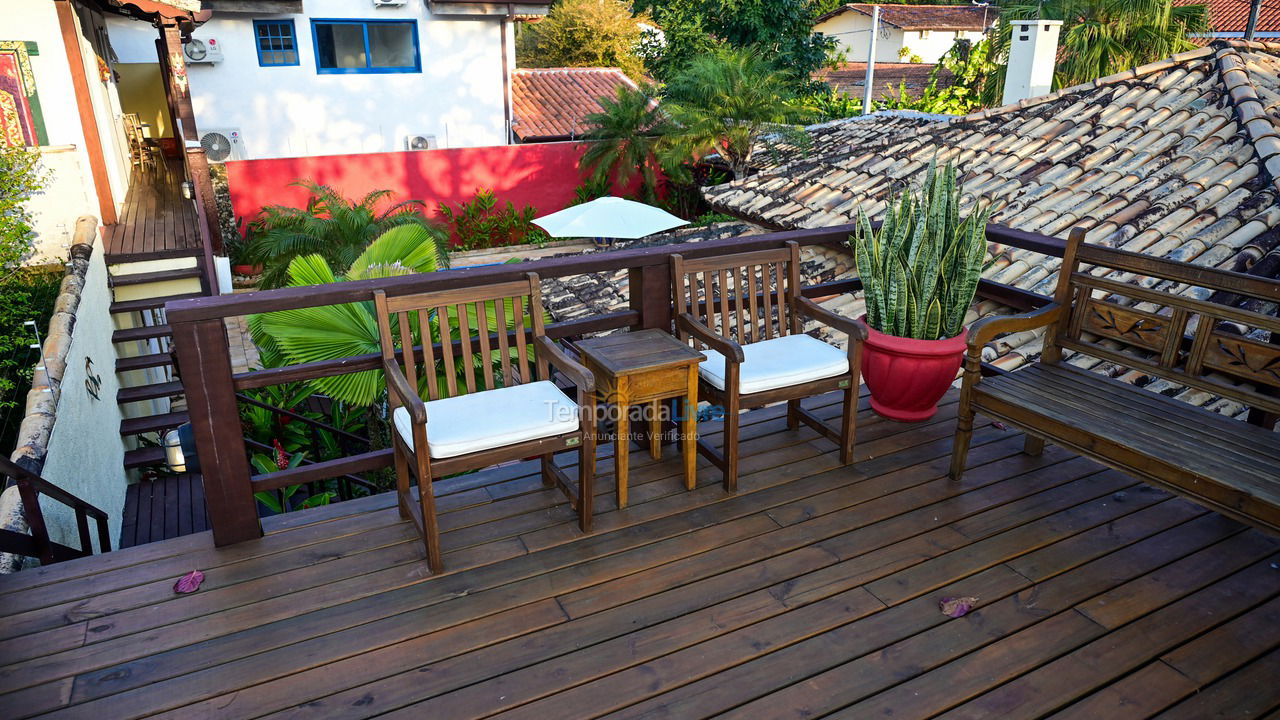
[482,223]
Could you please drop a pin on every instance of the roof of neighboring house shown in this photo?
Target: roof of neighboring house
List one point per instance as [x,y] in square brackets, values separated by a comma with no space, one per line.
[851,78]
[1231,16]
[551,103]
[1177,159]
[926,17]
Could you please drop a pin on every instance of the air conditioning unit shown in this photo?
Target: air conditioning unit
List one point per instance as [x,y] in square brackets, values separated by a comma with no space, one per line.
[420,142]
[388,3]
[222,145]
[202,50]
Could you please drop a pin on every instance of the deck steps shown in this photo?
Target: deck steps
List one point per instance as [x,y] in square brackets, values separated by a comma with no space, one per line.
[125,306]
[144,278]
[146,332]
[141,362]
[143,457]
[149,392]
[152,423]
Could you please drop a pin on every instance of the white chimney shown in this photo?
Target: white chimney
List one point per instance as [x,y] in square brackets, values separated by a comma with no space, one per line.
[1032,54]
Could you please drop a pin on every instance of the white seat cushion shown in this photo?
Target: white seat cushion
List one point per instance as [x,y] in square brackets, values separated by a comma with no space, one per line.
[779,362]
[492,418]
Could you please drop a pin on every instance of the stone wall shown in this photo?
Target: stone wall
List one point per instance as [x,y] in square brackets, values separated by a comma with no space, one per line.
[70,434]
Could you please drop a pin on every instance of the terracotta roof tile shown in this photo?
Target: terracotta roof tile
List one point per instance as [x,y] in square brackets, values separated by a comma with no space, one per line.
[888,78]
[551,103]
[926,17]
[1231,16]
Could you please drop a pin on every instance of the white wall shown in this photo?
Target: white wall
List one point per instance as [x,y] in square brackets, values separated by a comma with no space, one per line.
[852,31]
[294,111]
[72,183]
[85,453]
[932,45]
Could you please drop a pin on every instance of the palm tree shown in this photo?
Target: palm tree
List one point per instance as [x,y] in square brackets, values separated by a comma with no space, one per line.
[625,140]
[331,226]
[727,101]
[327,332]
[1102,37]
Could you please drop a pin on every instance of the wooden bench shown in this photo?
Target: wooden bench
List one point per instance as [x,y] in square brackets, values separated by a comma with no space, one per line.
[1128,309]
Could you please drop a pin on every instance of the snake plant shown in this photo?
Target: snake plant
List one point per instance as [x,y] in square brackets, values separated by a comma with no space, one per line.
[920,270]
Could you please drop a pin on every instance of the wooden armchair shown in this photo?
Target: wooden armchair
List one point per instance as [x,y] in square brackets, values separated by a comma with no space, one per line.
[501,413]
[746,310]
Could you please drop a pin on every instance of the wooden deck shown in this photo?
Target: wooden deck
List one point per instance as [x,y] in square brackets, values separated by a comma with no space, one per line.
[156,222]
[168,507]
[811,593]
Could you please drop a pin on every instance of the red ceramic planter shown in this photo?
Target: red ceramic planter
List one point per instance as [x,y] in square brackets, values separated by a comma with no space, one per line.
[907,377]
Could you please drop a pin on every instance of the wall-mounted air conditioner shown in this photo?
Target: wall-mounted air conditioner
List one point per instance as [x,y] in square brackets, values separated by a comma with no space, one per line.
[420,142]
[202,50]
[388,3]
[222,145]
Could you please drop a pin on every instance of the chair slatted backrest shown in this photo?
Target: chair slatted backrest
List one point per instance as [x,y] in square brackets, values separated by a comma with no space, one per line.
[477,328]
[1125,319]
[745,297]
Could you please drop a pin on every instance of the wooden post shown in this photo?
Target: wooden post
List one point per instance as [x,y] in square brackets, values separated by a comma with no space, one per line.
[178,92]
[204,366]
[84,105]
[650,294]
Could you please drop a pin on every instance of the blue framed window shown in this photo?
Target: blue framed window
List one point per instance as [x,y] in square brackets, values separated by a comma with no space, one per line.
[366,46]
[276,41]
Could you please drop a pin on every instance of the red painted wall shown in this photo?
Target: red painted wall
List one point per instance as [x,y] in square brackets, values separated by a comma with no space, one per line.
[542,174]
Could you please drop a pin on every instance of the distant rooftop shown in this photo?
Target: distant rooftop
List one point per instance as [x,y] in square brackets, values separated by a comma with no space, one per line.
[926,17]
[888,78]
[552,103]
[1231,16]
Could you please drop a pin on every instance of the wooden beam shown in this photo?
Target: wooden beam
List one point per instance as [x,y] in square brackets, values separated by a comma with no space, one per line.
[84,104]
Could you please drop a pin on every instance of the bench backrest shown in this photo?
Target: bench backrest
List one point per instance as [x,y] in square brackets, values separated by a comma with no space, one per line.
[745,297]
[463,334]
[1130,309]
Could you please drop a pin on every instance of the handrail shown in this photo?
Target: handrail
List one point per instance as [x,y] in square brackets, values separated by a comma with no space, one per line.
[38,545]
[211,387]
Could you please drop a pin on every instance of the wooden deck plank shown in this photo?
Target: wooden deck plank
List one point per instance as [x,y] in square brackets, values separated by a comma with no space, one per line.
[812,591]
[156,221]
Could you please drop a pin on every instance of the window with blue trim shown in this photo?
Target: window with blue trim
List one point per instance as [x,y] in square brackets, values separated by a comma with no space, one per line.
[277,42]
[366,46]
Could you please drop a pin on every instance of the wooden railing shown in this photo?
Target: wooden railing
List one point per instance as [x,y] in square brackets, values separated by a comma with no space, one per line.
[37,544]
[211,387]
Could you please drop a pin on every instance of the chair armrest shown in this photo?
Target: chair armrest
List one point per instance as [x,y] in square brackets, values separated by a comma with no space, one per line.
[985,330]
[398,384]
[575,371]
[856,329]
[731,350]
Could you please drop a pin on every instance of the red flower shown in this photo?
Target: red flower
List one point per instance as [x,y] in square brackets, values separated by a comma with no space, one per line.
[282,458]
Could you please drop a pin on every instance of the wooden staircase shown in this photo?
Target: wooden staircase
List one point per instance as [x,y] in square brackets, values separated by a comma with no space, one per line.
[150,394]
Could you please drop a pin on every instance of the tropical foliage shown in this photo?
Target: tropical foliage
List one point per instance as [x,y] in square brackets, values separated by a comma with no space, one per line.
[627,137]
[1102,37]
[920,271]
[482,223]
[333,227]
[971,68]
[583,33]
[781,29]
[337,331]
[24,295]
[727,101]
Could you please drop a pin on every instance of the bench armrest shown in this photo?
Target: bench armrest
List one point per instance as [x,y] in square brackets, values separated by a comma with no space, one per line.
[560,360]
[731,350]
[398,384]
[986,329]
[856,329]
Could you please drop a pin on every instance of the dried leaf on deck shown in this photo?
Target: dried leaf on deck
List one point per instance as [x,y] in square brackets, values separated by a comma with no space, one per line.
[189,583]
[957,606]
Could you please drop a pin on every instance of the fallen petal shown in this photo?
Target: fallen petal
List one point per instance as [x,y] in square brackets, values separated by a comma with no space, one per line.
[957,606]
[189,583]
[999,425]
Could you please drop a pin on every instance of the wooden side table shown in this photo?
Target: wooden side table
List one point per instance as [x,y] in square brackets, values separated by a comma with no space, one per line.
[646,367]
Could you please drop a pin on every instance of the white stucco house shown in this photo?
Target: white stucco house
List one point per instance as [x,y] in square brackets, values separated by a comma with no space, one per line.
[927,31]
[291,78]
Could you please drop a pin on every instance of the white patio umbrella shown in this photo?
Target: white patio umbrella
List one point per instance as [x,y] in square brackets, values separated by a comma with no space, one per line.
[609,217]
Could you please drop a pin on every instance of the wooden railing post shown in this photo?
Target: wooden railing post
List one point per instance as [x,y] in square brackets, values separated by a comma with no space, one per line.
[204,366]
[650,294]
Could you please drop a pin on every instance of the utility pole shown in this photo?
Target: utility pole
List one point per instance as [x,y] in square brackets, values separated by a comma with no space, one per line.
[1255,6]
[871,59]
